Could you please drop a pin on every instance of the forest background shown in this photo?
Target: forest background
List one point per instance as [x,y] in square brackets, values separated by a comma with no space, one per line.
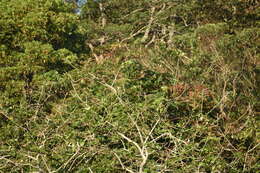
[129,86]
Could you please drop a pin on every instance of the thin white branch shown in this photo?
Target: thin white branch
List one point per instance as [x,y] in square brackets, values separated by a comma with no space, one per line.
[138,130]
[121,163]
[131,141]
[147,31]
[151,131]
[169,135]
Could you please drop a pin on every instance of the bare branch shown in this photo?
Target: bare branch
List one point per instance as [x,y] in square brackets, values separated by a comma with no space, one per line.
[147,31]
[121,163]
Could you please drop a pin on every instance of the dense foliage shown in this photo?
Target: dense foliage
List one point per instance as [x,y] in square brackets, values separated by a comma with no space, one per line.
[129,86]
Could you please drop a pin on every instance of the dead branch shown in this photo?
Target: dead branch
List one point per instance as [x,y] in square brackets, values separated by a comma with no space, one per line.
[147,31]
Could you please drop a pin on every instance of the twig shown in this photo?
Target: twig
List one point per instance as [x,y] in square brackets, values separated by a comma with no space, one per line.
[253,148]
[90,170]
[171,136]
[142,149]
[151,131]
[148,28]
[138,130]
[131,141]
[151,41]
[44,161]
[121,163]
[134,34]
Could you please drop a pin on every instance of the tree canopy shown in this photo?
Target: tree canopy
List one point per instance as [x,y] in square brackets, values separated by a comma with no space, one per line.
[129,86]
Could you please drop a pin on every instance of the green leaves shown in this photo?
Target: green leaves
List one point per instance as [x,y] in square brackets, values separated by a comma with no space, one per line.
[129,85]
